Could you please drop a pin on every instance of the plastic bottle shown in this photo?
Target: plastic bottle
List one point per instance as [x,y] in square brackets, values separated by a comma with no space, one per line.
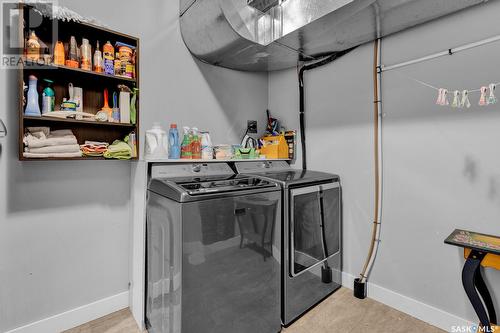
[59,54]
[186,145]
[48,98]
[196,145]
[174,147]
[86,54]
[109,57]
[33,47]
[133,108]
[32,106]
[72,60]
[156,142]
[98,64]
[118,65]
[132,142]
[207,150]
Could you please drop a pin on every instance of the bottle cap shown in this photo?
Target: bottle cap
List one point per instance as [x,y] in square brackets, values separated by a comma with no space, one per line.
[173,125]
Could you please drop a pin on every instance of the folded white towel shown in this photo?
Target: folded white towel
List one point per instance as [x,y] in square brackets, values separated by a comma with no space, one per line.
[54,149]
[35,142]
[59,155]
[59,133]
[44,130]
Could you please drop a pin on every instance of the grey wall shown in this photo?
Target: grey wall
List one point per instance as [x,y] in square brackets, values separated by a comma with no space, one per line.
[64,226]
[441,166]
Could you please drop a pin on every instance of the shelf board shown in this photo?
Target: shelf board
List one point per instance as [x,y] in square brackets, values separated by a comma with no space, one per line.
[166,160]
[87,158]
[37,66]
[74,121]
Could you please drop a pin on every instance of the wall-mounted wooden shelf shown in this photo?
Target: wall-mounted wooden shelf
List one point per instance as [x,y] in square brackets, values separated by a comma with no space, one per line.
[92,83]
[167,160]
[69,71]
[73,122]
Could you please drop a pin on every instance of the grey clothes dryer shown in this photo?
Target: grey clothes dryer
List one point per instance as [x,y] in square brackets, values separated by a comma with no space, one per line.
[213,251]
[312,234]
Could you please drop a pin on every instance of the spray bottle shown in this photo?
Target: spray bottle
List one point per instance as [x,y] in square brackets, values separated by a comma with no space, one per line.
[186,145]
[195,145]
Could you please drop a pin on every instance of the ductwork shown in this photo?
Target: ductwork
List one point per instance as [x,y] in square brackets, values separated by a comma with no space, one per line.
[234,34]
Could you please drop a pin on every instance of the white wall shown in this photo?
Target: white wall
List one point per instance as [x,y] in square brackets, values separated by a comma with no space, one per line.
[441,166]
[64,226]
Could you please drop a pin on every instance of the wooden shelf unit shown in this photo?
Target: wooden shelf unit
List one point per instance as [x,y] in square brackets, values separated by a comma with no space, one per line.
[92,83]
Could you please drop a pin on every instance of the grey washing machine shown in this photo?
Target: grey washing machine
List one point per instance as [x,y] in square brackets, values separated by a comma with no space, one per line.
[312,234]
[213,248]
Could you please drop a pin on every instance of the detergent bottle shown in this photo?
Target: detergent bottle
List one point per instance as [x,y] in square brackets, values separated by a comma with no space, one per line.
[174,147]
[156,145]
[186,145]
[32,105]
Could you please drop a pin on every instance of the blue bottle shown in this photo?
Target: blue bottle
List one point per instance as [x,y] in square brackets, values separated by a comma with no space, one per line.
[32,105]
[174,146]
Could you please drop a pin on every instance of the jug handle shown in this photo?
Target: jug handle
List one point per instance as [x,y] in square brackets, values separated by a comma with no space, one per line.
[3,129]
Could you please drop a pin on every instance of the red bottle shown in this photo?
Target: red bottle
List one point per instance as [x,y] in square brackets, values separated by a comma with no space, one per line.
[196,145]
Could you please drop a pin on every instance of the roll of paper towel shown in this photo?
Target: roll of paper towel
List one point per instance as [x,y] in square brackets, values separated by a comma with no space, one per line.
[124,107]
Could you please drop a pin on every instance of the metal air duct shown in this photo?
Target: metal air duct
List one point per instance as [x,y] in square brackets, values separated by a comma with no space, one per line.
[235,34]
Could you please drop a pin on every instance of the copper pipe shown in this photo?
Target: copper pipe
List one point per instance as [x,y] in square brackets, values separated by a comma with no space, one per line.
[376,118]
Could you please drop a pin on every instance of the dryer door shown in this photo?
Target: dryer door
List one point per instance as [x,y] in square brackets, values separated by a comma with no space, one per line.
[314,226]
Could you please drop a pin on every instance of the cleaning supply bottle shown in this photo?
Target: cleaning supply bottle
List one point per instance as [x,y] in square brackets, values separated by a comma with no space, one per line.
[186,145]
[109,58]
[118,65]
[33,47]
[195,145]
[72,60]
[156,142]
[98,65]
[32,105]
[174,147]
[48,98]
[59,54]
[207,150]
[86,55]
[133,108]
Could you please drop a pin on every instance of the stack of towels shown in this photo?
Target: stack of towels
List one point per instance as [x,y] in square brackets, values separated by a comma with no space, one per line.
[41,142]
[94,148]
[119,150]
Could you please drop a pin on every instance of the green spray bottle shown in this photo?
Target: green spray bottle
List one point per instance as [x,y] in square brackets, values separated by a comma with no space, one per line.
[133,107]
[186,152]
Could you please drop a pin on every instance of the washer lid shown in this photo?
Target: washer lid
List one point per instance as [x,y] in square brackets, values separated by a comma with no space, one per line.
[198,188]
[282,172]
[300,177]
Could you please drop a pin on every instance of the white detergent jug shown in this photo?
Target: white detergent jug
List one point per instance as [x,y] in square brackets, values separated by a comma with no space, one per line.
[156,142]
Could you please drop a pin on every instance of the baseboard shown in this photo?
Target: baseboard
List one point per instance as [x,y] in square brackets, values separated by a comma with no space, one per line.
[410,306]
[77,316]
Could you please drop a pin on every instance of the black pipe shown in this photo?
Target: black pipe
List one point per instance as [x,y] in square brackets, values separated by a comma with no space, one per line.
[302,102]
